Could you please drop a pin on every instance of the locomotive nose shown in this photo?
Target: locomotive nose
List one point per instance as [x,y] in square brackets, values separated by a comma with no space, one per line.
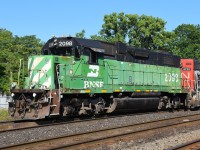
[40,72]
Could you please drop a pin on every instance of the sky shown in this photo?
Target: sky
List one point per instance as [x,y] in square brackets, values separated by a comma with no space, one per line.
[47,18]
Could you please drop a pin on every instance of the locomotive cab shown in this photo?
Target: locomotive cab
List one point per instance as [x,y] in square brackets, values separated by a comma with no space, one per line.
[50,75]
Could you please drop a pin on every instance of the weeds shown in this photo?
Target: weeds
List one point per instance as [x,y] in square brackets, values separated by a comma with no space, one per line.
[4,116]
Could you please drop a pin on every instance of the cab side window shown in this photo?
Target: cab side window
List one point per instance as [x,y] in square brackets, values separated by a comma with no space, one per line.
[93,58]
[92,55]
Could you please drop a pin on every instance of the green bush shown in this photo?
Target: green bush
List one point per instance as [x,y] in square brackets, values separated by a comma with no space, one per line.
[4,116]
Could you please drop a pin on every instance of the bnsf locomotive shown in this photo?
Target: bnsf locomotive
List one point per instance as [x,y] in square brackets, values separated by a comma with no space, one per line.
[75,76]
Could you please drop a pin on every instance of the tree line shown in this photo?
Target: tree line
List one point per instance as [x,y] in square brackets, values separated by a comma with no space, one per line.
[14,52]
[140,31]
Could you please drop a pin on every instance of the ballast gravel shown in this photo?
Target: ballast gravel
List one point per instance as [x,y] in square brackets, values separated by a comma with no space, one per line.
[16,137]
[160,144]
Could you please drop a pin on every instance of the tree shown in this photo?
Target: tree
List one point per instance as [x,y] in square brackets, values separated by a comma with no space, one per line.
[114,28]
[148,32]
[6,47]
[97,37]
[14,48]
[140,31]
[187,41]
[81,34]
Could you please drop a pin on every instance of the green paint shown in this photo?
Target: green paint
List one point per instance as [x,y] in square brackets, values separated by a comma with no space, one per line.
[76,76]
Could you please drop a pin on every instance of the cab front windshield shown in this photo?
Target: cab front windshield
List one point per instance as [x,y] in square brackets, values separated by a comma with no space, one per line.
[62,51]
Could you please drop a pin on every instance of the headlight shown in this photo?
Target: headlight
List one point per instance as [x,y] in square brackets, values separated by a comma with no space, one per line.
[34,95]
[12,95]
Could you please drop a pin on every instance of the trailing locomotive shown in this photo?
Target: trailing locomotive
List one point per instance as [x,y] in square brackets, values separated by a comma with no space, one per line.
[190,72]
[75,76]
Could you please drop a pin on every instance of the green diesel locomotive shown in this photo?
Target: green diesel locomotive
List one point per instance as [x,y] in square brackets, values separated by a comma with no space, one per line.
[75,76]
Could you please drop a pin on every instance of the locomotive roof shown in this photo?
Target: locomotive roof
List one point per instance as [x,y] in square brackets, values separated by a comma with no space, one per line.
[98,46]
[102,46]
[118,51]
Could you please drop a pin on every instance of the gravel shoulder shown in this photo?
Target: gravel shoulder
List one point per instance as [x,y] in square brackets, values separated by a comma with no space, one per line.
[177,138]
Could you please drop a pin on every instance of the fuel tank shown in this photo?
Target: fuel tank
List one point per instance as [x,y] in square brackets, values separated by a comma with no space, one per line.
[133,104]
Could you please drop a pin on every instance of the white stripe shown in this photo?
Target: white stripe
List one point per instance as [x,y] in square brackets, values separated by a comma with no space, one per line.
[36,61]
[43,71]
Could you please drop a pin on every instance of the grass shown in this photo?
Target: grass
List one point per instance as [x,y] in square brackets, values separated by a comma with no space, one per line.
[4,116]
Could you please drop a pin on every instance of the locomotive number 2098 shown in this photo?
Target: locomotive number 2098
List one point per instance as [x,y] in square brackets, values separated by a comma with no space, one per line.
[65,43]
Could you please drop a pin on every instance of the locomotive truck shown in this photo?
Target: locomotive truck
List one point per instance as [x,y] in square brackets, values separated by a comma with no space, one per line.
[75,76]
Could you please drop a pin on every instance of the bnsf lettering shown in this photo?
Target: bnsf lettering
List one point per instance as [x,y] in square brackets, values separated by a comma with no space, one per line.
[93,84]
[185,75]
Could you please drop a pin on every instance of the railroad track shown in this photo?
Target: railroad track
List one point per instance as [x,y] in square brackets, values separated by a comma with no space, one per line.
[22,125]
[191,145]
[14,125]
[108,136]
